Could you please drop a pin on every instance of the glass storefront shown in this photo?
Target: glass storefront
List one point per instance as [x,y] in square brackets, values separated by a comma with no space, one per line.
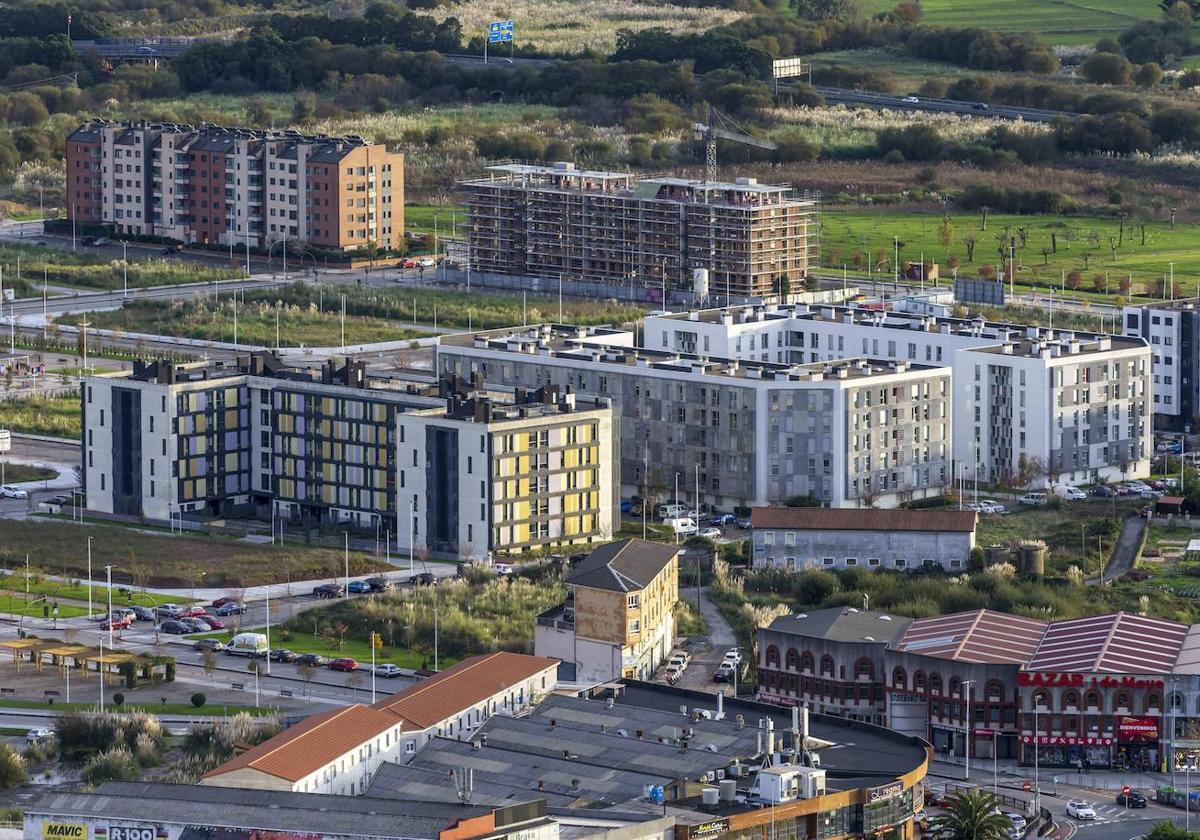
[1074,756]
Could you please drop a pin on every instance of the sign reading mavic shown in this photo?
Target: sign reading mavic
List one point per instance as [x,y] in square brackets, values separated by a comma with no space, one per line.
[500,31]
[64,831]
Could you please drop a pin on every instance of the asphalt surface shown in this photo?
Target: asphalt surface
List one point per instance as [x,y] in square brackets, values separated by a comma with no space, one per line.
[874,99]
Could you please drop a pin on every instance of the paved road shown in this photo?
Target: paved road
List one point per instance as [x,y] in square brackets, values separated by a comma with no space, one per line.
[1125,552]
[708,651]
[874,99]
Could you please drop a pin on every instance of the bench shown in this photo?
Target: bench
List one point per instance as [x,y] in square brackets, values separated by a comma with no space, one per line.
[238,686]
[283,692]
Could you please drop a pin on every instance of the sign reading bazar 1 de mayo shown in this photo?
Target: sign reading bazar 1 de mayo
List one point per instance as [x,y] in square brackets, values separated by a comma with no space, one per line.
[1080,680]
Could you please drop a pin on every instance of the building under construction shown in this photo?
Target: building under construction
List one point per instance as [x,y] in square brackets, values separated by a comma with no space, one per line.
[557,222]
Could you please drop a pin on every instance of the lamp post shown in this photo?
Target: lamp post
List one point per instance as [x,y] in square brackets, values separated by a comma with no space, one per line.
[1037,787]
[435,638]
[108,576]
[675,501]
[965,693]
[89,564]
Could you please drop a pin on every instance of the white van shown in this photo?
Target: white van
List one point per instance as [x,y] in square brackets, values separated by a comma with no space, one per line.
[1033,499]
[1070,493]
[248,644]
[671,511]
[683,526]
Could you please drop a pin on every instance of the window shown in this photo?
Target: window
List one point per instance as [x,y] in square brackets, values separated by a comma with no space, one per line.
[635,626]
[633,601]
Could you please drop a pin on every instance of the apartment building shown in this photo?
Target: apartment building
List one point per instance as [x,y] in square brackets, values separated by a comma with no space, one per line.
[481,475]
[618,620]
[552,222]
[1032,406]
[1172,331]
[852,432]
[333,445]
[240,187]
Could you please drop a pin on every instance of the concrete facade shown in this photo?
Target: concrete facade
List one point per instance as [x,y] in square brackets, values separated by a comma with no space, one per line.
[1173,332]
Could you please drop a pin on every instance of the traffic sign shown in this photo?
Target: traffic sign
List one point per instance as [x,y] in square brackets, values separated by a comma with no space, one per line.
[1125,789]
[500,31]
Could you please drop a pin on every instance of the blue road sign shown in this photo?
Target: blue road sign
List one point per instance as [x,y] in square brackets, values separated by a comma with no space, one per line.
[500,31]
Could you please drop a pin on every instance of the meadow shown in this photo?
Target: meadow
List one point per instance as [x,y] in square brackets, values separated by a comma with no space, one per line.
[53,416]
[1055,21]
[88,270]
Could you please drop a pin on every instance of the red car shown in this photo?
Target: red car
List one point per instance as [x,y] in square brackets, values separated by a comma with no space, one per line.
[121,623]
[214,623]
[192,612]
[409,263]
[227,599]
[343,664]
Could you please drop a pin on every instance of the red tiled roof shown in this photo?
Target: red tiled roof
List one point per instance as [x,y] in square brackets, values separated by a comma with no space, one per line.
[312,743]
[462,686]
[978,636]
[848,519]
[1117,643]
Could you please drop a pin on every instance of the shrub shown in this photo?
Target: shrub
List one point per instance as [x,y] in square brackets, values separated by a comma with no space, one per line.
[118,699]
[198,699]
[12,767]
[117,764]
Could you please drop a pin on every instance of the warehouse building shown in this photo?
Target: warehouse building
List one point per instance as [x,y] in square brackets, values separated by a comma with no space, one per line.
[551,222]
[852,433]
[447,468]
[1031,406]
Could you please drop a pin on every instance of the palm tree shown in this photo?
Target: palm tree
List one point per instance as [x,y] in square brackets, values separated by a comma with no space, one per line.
[973,815]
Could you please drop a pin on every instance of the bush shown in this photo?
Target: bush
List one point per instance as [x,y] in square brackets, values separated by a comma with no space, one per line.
[12,767]
[81,736]
[118,699]
[1104,68]
[117,764]
[198,699]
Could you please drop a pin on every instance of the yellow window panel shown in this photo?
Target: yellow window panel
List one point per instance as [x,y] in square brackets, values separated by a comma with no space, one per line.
[231,462]
[201,424]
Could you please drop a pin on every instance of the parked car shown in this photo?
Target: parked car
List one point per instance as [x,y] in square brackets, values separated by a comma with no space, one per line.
[10,491]
[329,590]
[283,655]
[1018,821]
[744,523]
[223,600]
[169,610]
[213,622]
[195,625]
[387,669]
[209,644]
[1151,494]
[1071,494]
[379,584]
[173,627]
[116,623]
[733,656]
[1033,499]
[921,818]
[123,613]
[423,579]
[724,672]
[143,613]
[359,587]
[252,645]
[1133,799]
[1080,810]
[992,506]
[723,519]
[35,736]
[193,611]
[409,263]
[101,241]
[311,659]
[427,262]
[343,663]
[230,608]
[680,657]
[672,674]
[710,533]
[1103,491]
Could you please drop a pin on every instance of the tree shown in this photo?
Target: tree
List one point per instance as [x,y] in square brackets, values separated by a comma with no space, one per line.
[1074,278]
[1104,68]
[987,272]
[945,232]
[973,815]
[198,699]
[307,673]
[969,242]
[1099,282]
[210,663]
[1148,75]
[827,9]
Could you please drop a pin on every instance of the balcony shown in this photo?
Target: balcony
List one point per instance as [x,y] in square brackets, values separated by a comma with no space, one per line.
[560,617]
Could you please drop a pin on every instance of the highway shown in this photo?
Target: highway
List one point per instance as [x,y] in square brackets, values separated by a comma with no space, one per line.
[872,99]
[136,49]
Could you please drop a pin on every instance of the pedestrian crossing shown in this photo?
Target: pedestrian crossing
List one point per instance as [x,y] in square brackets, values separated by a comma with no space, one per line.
[1109,813]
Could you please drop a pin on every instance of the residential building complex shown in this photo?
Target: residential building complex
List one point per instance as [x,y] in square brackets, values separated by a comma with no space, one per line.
[1031,405]
[1115,690]
[554,222]
[798,538]
[335,445]
[1173,332]
[245,187]
[618,619]
[850,432]
[339,752]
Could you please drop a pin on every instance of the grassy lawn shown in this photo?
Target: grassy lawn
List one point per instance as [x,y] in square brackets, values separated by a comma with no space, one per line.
[418,218]
[77,590]
[868,235]
[1176,573]
[1056,21]
[17,473]
[13,603]
[1069,532]
[353,647]
[298,326]
[153,709]
[54,416]
[153,560]
[89,270]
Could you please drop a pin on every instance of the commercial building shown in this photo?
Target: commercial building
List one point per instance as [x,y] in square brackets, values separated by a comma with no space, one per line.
[149,810]
[618,619]
[1173,332]
[1031,405]
[806,538]
[1116,690]
[551,222]
[446,468]
[852,433]
[340,751]
[247,187]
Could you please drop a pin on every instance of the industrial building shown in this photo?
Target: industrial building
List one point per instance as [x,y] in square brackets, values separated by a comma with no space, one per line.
[741,239]
[446,468]
[1032,406]
[853,432]
[241,187]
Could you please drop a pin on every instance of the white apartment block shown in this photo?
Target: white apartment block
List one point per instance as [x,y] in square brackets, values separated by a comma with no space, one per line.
[1171,331]
[1050,407]
[853,432]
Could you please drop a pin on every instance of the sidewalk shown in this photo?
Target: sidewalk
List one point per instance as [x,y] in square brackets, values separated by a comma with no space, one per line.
[1012,776]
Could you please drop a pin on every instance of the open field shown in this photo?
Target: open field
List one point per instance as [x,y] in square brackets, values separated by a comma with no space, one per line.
[142,558]
[87,270]
[1072,533]
[1084,244]
[54,416]
[1056,21]
[298,326]
[16,473]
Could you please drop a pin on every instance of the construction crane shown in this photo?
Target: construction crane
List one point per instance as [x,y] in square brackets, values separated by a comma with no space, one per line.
[721,126]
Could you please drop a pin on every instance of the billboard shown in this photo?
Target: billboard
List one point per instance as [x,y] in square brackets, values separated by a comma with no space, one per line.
[500,31]
[990,292]
[786,68]
[64,831]
[1137,729]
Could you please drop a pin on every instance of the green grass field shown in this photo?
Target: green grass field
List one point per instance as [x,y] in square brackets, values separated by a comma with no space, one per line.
[357,649]
[153,709]
[1084,245]
[1068,532]
[1056,21]
[14,603]
[54,416]
[16,473]
[419,218]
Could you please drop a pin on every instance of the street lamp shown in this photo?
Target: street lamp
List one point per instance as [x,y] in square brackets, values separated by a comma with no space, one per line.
[108,575]
[965,694]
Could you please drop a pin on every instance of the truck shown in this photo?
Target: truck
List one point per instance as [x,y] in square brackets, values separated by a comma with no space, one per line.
[683,526]
[248,644]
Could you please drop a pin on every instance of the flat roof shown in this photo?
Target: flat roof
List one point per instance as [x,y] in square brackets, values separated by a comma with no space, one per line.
[847,519]
[980,636]
[842,624]
[1115,643]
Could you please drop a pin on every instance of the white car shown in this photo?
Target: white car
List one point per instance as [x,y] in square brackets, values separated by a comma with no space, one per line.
[35,736]
[10,491]
[711,533]
[911,100]
[733,657]
[1018,821]
[427,262]
[991,506]
[387,669]
[1080,810]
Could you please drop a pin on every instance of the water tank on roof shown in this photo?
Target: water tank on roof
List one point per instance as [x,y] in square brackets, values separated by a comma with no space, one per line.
[700,283]
[710,796]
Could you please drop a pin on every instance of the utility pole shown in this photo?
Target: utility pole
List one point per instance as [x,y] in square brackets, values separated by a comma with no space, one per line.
[89,564]
[346,558]
[970,726]
[108,575]
[125,264]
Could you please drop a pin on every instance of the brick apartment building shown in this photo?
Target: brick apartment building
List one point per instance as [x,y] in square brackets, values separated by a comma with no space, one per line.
[235,186]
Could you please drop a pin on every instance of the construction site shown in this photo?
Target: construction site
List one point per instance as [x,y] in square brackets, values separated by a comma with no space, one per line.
[722,241]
